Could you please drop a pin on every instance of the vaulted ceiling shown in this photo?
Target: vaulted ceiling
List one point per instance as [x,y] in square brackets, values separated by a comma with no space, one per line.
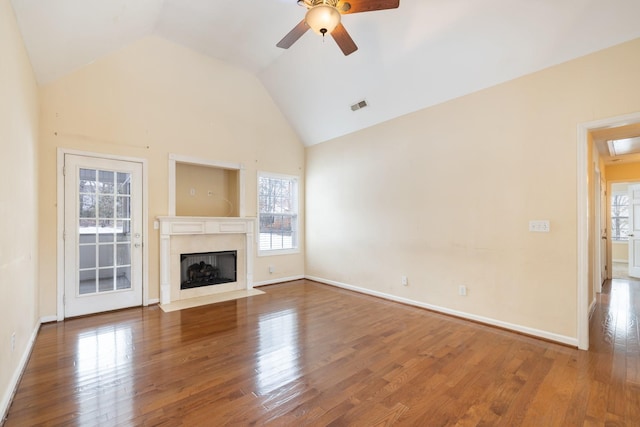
[421,54]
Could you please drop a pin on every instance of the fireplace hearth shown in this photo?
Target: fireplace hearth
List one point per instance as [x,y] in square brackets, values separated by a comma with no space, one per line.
[207,269]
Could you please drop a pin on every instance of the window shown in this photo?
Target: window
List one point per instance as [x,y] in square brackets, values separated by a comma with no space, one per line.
[620,216]
[277,212]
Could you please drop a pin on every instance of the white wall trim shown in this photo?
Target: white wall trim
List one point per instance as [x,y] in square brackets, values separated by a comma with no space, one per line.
[59,236]
[481,319]
[152,301]
[17,374]
[61,152]
[279,280]
[583,217]
[177,158]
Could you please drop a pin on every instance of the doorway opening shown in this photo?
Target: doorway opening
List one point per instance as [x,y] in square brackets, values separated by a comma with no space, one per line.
[588,241]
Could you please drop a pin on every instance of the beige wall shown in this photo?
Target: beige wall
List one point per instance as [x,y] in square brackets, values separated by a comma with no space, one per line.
[623,172]
[18,202]
[151,99]
[444,195]
[206,191]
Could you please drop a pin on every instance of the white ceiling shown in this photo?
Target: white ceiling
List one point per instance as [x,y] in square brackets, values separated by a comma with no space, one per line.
[605,138]
[421,54]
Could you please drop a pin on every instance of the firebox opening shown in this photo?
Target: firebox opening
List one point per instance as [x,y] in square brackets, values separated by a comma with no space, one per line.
[209,268]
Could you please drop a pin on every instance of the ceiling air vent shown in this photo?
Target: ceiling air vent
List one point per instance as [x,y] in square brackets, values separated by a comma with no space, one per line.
[359,105]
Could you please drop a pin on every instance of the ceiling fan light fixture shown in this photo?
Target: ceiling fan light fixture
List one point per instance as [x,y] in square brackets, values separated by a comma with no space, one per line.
[322,19]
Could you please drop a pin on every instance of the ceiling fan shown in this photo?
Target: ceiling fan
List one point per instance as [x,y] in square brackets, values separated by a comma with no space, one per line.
[323,17]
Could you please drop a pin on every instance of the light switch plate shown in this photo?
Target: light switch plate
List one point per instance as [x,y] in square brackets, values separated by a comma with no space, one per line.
[539,226]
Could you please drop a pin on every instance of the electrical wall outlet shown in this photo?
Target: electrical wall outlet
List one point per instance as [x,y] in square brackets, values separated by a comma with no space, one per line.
[271,269]
[404,281]
[462,290]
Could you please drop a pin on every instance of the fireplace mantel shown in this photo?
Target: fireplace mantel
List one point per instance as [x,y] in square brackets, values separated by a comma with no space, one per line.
[172,227]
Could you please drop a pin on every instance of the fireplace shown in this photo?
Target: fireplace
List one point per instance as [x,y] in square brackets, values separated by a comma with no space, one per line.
[208,269]
[195,235]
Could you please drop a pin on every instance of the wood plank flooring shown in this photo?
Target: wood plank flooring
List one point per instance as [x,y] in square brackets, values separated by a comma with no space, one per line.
[310,354]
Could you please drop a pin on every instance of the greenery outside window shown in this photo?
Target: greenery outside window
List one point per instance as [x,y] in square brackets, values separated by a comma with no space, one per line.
[277,213]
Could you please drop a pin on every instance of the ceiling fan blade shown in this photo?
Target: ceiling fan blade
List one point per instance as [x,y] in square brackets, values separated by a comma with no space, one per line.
[344,40]
[357,6]
[293,36]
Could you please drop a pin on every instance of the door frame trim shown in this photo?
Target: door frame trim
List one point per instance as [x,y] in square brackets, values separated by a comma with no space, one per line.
[60,222]
[582,171]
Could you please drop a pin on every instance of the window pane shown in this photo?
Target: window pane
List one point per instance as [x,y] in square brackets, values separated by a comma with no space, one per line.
[620,216]
[87,206]
[124,183]
[123,278]
[87,181]
[123,231]
[277,200]
[105,206]
[123,207]
[123,254]
[87,230]
[87,283]
[105,280]
[105,231]
[87,256]
[105,255]
[105,182]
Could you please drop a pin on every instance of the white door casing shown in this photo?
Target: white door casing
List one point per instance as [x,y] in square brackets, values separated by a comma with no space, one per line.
[103,234]
[634,230]
[598,254]
[603,233]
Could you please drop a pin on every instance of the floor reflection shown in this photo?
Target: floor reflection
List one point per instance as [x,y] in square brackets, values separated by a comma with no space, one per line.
[103,374]
[278,352]
[620,304]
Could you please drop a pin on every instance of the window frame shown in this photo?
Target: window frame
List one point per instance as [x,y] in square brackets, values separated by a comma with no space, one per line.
[295,203]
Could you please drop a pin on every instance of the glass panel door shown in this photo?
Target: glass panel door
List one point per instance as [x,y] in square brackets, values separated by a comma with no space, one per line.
[103,217]
[104,230]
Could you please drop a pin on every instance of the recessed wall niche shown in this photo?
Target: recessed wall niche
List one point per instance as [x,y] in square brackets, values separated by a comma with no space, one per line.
[204,188]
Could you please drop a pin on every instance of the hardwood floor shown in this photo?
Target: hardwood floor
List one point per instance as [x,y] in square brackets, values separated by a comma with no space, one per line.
[309,354]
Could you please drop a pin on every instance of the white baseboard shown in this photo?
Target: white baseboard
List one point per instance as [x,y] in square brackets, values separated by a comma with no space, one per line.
[274,281]
[486,320]
[17,374]
[48,319]
[152,301]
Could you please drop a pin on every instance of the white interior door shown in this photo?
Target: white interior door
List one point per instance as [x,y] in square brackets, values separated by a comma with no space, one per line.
[634,230]
[102,235]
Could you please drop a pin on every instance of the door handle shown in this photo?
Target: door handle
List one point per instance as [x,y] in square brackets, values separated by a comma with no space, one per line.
[137,245]
[630,235]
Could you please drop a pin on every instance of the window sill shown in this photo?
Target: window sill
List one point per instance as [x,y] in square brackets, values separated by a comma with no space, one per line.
[273,252]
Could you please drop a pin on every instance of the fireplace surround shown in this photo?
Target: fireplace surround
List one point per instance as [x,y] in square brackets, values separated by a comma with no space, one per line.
[186,235]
